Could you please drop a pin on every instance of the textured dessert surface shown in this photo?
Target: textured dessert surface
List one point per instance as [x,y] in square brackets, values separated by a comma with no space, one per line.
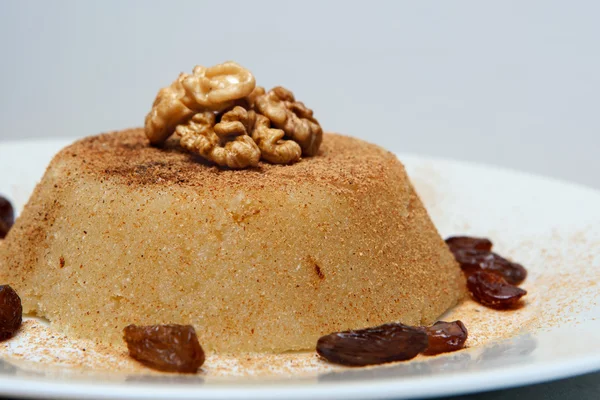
[264,259]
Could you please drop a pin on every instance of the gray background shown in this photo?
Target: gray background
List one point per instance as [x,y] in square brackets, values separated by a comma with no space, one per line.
[510,83]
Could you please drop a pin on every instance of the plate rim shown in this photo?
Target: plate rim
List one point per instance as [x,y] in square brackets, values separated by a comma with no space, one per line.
[421,387]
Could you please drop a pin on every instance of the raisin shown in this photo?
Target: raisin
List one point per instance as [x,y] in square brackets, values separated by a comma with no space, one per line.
[7,216]
[467,242]
[11,312]
[493,291]
[472,260]
[445,337]
[378,345]
[169,348]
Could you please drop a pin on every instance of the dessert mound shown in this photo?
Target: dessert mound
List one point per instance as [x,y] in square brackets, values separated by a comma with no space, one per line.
[263,259]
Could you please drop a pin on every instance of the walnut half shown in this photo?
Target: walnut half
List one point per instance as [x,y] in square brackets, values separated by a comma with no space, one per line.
[232,147]
[206,89]
[269,140]
[220,114]
[216,88]
[168,111]
[293,117]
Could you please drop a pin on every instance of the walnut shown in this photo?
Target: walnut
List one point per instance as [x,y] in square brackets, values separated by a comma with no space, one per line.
[232,147]
[220,114]
[249,102]
[216,88]
[237,121]
[207,89]
[240,121]
[168,111]
[269,140]
[296,120]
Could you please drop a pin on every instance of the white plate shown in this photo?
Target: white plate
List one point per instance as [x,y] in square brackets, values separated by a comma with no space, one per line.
[550,226]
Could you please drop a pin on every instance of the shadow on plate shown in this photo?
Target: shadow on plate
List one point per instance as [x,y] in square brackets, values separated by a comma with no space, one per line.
[495,355]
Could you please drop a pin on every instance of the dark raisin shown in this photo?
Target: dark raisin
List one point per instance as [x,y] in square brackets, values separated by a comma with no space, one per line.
[170,348]
[11,312]
[378,345]
[512,272]
[7,216]
[472,260]
[467,242]
[493,291]
[445,337]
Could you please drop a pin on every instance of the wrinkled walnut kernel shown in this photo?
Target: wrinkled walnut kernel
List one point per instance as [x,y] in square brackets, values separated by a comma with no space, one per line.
[234,149]
[249,102]
[220,114]
[216,88]
[235,122]
[168,111]
[11,312]
[272,148]
[169,348]
[296,120]
[207,89]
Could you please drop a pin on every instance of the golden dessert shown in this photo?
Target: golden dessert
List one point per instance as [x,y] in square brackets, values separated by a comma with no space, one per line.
[232,212]
[266,259]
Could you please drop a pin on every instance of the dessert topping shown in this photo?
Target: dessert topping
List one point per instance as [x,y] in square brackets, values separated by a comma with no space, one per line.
[378,345]
[493,291]
[206,89]
[444,337]
[472,260]
[491,278]
[391,342]
[11,312]
[7,216]
[249,102]
[467,242]
[216,88]
[227,143]
[296,120]
[168,111]
[169,348]
[220,114]
[271,144]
